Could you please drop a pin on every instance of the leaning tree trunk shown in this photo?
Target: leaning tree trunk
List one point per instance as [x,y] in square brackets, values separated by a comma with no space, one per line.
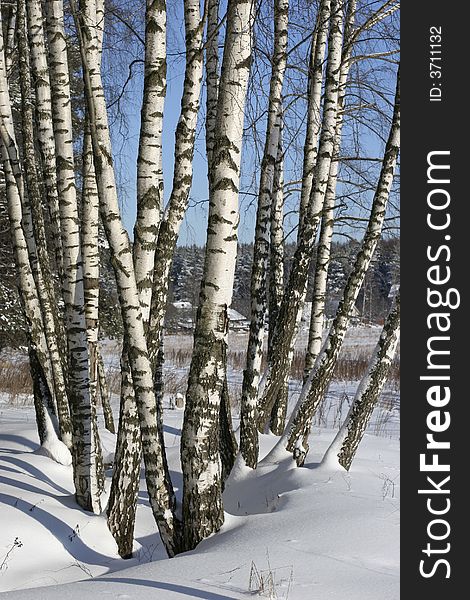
[44,129]
[276,283]
[343,448]
[251,375]
[200,453]
[327,224]
[169,227]
[182,175]
[45,284]
[46,419]
[86,450]
[315,84]
[294,296]
[161,498]
[294,438]
[314,121]
[122,504]
[179,197]
[41,371]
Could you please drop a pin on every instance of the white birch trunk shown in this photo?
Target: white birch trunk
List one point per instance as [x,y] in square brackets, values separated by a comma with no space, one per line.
[314,120]
[149,161]
[276,244]
[200,454]
[276,283]
[251,375]
[10,38]
[105,395]
[44,128]
[294,296]
[39,352]
[167,237]
[161,499]
[326,232]
[343,448]
[48,427]
[85,452]
[212,78]
[182,176]
[90,253]
[314,388]
[33,209]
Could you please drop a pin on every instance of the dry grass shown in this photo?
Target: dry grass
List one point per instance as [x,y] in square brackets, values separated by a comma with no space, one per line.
[16,385]
[15,380]
[351,366]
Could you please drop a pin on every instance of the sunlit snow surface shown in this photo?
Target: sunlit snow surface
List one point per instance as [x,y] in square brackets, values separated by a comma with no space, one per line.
[307,533]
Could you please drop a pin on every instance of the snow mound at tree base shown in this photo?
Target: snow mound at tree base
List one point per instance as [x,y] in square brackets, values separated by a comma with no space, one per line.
[310,533]
[56,450]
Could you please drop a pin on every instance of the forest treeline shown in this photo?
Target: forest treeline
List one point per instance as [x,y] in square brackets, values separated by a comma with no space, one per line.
[373,302]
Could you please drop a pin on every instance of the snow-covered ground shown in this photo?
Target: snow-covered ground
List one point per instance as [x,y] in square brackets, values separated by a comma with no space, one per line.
[290,533]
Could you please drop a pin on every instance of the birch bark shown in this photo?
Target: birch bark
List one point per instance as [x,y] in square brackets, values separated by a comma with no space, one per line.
[44,128]
[39,353]
[161,498]
[343,448]
[327,224]
[167,236]
[291,306]
[85,452]
[212,78]
[251,375]
[200,453]
[52,327]
[149,161]
[313,390]
[314,120]
[182,175]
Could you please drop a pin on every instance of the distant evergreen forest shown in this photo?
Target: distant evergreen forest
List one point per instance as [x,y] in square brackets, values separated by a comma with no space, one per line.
[372,304]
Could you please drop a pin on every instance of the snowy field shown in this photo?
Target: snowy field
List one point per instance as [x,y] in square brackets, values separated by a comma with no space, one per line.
[290,533]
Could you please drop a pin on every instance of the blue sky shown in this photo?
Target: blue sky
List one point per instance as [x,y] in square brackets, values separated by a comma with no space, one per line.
[125,144]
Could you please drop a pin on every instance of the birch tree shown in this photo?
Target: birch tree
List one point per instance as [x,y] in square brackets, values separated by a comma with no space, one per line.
[86,450]
[295,435]
[149,161]
[126,476]
[212,78]
[166,241]
[314,89]
[31,193]
[161,497]
[291,306]
[276,284]
[182,174]
[44,128]
[41,371]
[317,316]
[343,448]
[248,434]
[200,455]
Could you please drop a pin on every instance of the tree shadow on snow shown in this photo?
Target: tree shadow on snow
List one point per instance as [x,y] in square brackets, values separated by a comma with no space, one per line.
[67,536]
[171,430]
[170,587]
[18,439]
[33,472]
